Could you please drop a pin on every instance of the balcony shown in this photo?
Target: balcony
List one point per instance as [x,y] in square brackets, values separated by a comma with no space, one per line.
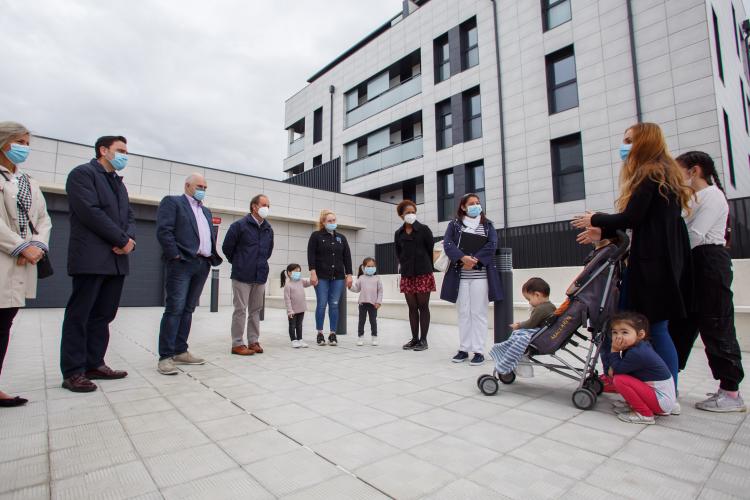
[296,146]
[388,157]
[385,100]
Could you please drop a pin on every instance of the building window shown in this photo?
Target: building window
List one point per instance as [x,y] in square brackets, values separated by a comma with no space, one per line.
[444,124]
[743,100]
[296,170]
[317,161]
[555,13]
[730,155]
[475,181]
[318,125]
[735,27]
[562,89]
[717,42]
[446,198]
[567,168]
[469,44]
[442,53]
[472,114]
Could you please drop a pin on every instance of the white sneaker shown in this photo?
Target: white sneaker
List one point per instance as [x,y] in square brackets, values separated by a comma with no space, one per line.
[166,367]
[374,341]
[721,402]
[302,343]
[633,417]
[295,344]
[360,341]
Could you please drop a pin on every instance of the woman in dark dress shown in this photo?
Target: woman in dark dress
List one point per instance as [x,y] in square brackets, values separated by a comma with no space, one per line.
[652,198]
[414,244]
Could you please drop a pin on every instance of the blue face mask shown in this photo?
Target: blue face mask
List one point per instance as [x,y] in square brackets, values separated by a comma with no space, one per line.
[120,161]
[370,271]
[625,151]
[331,227]
[17,153]
[199,194]
[296,275]
[473,210]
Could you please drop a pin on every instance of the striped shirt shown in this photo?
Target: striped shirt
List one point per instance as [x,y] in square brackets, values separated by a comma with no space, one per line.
[474,274]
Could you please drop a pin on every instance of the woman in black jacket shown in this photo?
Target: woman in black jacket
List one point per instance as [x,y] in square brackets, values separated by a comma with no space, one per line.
[330,262]
[652,198]
[414,244]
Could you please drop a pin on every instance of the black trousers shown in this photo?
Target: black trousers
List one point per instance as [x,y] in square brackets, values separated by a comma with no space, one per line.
[712,317]
[85,330]
[295,326]
[6,321]
[366,310]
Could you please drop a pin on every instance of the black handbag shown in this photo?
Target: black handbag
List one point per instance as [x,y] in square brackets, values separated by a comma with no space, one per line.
[43,266]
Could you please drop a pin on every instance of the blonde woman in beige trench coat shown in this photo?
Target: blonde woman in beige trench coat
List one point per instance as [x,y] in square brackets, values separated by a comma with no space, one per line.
[20,250]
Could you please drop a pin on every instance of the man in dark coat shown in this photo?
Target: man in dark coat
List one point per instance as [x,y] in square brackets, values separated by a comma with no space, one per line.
[185,231]
[102,234]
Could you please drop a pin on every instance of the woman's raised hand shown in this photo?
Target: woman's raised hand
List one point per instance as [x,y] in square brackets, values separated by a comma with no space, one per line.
[589,236]
[582,221]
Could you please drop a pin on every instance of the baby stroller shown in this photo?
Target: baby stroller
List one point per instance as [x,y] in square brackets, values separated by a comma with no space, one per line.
[591,300]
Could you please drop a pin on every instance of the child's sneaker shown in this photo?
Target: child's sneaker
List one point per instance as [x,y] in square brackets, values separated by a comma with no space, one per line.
[321,340]
[477,360]
[411,344]
[632,417]
[360,341]
[421,346]
[302,343]
[676,410]
[374,341]
[332,339]
[721,402]
[460,357]
[620,407]
[295,344]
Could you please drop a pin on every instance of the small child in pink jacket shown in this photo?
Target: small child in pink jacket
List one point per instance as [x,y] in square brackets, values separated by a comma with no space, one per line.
[294,298]
[370,290]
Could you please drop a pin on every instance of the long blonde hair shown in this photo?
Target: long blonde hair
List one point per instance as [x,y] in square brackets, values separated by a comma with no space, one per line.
[323,214]
[649,158]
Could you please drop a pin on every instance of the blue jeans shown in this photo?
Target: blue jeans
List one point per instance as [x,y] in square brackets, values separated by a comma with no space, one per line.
[185,280]
[664,347]
[328,292]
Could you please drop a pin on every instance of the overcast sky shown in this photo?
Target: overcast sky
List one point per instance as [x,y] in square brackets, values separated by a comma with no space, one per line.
[188,80]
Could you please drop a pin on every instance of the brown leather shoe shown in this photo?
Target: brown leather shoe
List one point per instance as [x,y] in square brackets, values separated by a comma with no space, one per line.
[242,350]
[78,383]
[256,348]
[104,372]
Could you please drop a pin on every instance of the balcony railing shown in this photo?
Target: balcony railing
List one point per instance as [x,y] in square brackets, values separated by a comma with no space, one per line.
[296,146]
[388,157]
[381,102]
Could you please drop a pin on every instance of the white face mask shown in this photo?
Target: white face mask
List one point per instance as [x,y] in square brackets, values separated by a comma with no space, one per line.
[410,218]
[263,212]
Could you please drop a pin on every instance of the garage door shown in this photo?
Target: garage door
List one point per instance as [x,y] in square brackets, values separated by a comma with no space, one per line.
[143,287]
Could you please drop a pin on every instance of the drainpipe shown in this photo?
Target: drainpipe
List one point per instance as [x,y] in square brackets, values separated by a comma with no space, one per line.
[633,62]
[504,255]
[331,90]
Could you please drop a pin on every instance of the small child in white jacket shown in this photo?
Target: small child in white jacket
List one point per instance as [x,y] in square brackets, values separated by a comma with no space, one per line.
[370,290]
[294,299]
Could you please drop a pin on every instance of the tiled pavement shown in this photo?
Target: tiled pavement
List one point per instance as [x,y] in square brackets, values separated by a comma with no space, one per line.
[346,422]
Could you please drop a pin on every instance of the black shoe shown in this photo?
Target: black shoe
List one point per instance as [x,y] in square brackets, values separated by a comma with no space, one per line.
[421,346]
[478,359]
[411,344]
[13,402]
[321,340]
[78,383]
[460,357]
[332,339]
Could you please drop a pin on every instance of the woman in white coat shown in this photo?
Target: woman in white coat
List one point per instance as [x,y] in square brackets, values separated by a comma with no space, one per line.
[20,250]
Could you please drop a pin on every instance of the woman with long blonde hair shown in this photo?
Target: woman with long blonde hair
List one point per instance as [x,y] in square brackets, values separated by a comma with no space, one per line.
[330,261]
[652,198]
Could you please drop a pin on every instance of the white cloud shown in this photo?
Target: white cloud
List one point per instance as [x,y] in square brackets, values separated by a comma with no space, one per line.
[193,81]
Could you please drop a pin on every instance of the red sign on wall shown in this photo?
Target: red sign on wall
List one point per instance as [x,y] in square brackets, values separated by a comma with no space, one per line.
[216,221]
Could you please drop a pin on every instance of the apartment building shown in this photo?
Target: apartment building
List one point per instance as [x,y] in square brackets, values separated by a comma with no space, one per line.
[524,102]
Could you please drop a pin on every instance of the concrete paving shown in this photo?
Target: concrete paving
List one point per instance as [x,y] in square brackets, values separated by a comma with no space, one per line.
[338,422]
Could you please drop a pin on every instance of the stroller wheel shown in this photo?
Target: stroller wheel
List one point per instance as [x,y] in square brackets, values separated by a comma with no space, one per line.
[584,399]
[507,378]
[488,385]
[594,385]
[479,380]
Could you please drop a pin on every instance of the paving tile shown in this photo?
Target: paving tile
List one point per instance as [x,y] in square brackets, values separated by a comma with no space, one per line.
[558,457]
[476,408]
[695,425]
[586,438]
[23,446]
[362,417]
[285,414]
[165,441]
[463,489]
[525,421]
[234,426]
[26,426]
[257,402]
[121,481]
[683,441]
[134,394]
[639,482]
[25,472]
[309,469]
[343,487]
[142,406]
[736,454]
[403,476]
[496,437]
[678,464]
[150,422]
[403,434]
[400,407]
[516,479]
[188,464]
[257,446]
[200,412]
[315,430]
[354,450]
[583,491]
[443,420]
[37,492]
[228,485]
[330,404]
[456,455]
[711,494]
[434,397]
[731,480]
[82,460]
[98,435]
[606,420]
[79,417]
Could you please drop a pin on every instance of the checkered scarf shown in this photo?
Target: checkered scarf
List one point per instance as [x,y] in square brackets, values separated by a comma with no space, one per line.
[24,204]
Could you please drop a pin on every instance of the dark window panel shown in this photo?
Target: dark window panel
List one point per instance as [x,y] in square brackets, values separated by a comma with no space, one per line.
[555,13]
[318,125]
[562,86]
[567,169]
[717,42]
[730,154]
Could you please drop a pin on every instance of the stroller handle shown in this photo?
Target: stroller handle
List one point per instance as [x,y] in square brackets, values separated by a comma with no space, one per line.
[622,248]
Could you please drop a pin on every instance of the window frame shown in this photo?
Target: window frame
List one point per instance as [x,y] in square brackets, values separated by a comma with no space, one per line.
[440,43]
[318,125]
[465,28]
[471,186]
[717,44]
[440,127]
[556,165]
[469,119]
[443,196]
[730,154]
[743,101]
[735,28]
[552,87]
[546,7]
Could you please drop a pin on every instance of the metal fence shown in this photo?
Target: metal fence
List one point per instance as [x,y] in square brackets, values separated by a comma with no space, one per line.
[739,213]
[326,176]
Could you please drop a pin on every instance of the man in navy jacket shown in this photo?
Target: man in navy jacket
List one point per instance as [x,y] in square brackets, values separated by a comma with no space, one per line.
[185,231]
[248,246]
[102,234]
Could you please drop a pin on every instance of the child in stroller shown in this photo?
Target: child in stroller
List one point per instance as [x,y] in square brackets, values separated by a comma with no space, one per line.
[591,301]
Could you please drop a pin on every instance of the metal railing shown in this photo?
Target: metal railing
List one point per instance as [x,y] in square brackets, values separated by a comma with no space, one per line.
[385,158]
[296,146]
[394,95]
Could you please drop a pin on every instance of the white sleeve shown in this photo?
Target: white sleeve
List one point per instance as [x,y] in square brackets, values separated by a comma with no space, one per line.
[710,212]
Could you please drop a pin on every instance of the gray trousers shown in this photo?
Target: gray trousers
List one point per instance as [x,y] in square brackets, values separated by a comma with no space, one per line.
[248,302]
